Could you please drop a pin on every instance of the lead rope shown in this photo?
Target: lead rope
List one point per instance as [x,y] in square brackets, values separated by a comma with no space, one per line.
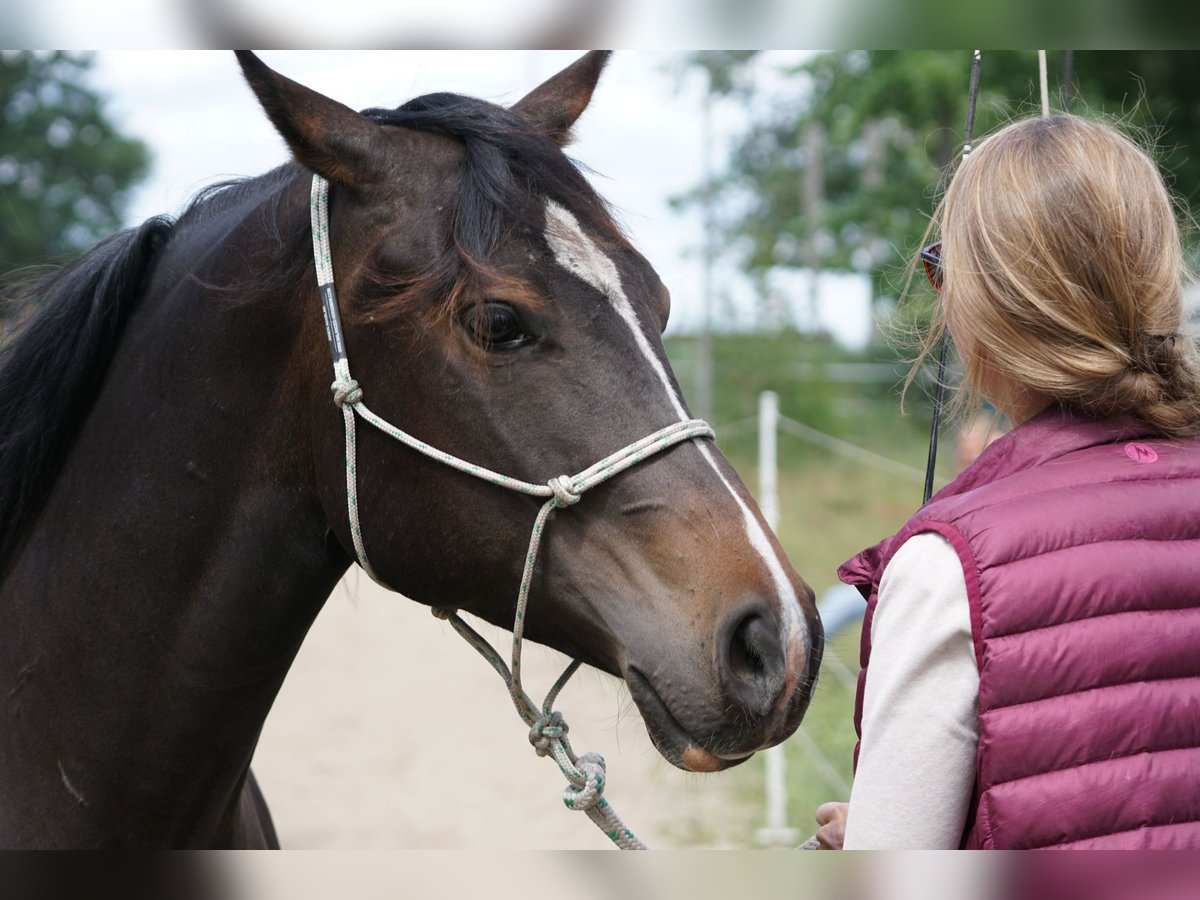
[585,773]
[940,390]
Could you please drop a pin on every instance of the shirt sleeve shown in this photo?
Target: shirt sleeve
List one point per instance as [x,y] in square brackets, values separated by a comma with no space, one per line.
[920,721]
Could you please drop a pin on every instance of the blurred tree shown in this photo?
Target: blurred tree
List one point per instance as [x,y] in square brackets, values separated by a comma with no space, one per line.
[1158,89]
[886,123]
[64,169]
[725,70]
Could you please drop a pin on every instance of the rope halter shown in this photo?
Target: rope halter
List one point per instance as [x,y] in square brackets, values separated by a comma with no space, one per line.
[585,773]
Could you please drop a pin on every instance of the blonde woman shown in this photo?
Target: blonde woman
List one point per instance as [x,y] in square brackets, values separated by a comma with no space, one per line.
[1031,651]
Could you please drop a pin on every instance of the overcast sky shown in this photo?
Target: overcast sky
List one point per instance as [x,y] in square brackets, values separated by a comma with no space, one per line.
[642,135]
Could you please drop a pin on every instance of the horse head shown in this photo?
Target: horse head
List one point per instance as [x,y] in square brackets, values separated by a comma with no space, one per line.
[493,309]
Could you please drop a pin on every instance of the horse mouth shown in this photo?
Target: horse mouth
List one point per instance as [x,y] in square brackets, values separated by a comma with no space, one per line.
[671,739]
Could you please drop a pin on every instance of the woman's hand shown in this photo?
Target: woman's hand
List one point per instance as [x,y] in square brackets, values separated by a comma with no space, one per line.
[832,819]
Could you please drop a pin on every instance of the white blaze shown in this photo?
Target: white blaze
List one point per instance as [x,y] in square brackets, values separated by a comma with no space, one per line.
[578,254]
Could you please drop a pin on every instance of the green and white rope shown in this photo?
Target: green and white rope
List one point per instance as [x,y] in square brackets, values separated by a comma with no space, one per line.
[585,773]
[318,201]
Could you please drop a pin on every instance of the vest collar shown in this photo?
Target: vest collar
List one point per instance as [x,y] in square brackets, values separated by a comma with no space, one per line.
[1054,432]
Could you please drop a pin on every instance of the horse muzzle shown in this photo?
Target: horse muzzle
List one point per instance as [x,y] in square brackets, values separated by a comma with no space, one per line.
[759,687]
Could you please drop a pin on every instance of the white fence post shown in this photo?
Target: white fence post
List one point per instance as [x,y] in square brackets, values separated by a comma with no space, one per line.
[777,830]
[768,458]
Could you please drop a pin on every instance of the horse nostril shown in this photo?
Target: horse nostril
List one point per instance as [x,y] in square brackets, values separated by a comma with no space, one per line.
[744,656]
[754,664]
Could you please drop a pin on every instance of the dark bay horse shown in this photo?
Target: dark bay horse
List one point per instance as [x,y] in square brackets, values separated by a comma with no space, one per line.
[173,505]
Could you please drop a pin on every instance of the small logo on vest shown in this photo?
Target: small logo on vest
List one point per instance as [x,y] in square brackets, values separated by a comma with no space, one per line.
[1142,453]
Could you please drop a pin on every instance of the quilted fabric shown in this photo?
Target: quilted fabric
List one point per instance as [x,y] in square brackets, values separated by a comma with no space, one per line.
[1080,543]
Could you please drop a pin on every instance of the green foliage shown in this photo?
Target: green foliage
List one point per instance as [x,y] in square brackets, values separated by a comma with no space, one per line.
[64,170]
[1155,91]
[887,123]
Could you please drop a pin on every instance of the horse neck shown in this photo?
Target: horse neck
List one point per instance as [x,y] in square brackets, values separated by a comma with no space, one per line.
[175,568]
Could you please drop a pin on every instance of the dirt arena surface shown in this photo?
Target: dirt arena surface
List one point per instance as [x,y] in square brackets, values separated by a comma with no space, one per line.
[392,733]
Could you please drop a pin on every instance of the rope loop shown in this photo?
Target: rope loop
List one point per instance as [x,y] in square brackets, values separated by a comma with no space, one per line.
[587,793]
[545,729]
[444,613]
[565,492]
[346,390]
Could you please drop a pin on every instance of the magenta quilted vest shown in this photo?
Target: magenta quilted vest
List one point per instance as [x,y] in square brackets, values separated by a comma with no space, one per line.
[1080,542]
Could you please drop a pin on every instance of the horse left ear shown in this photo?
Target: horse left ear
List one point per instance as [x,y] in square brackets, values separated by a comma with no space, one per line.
[554,105]
[325,136]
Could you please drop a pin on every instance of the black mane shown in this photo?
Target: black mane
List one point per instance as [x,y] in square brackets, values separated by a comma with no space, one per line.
[51,373]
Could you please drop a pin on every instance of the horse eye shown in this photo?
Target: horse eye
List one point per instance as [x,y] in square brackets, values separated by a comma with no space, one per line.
[495,326]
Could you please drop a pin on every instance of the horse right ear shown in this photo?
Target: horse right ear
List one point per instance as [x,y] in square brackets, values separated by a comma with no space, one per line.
[325,136]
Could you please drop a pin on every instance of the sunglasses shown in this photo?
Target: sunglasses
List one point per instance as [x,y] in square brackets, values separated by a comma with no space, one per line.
[931,258]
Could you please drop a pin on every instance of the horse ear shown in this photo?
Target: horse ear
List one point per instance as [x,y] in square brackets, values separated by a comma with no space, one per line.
[325,136]
[554,105]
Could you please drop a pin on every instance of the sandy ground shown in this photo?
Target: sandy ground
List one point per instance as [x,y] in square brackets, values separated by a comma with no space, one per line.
[392,733]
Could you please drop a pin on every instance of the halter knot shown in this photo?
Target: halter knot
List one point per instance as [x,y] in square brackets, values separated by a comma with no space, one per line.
[443,612]
[545,729]
[346,391]
[565,492]
[590,787]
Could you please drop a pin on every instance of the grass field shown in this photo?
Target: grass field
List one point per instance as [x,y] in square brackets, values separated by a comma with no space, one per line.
[830,508]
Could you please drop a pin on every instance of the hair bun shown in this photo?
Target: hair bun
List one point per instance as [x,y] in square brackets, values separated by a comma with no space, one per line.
[1162,353]
[1135,389]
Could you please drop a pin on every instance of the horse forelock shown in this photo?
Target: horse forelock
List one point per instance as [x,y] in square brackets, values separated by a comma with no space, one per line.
[508,171]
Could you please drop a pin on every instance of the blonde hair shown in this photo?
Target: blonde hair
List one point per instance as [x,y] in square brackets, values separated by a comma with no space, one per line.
[1063,274]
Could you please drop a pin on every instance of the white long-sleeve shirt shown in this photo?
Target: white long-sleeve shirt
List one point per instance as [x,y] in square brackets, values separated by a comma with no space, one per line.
[920,722]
